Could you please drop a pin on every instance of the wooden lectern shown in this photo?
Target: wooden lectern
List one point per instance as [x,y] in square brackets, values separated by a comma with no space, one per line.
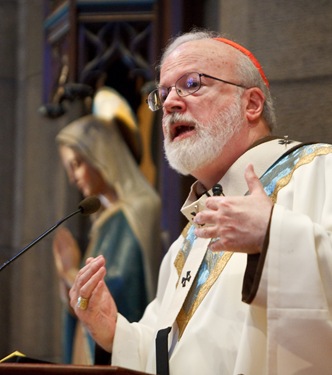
[52,369]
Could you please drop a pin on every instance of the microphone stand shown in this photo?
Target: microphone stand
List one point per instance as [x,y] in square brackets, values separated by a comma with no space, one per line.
[38,239]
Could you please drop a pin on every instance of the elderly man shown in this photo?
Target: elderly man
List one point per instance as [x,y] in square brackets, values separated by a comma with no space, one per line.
[260,223]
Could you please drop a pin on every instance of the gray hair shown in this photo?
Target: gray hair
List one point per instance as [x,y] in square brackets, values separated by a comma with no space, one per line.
[246,70]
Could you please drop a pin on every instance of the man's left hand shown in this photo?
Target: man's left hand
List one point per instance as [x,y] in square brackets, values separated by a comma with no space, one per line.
[237,223]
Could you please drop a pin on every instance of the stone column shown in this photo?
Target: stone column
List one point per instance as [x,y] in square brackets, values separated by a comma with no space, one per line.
[8,39]
[34,189]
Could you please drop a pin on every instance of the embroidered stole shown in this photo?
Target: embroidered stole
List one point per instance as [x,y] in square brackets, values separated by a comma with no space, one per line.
[199,269]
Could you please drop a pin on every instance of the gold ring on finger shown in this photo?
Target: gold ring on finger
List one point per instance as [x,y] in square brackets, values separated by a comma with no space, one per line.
[82,303]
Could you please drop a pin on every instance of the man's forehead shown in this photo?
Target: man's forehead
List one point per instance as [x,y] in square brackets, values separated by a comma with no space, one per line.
[195,48]
[197,55]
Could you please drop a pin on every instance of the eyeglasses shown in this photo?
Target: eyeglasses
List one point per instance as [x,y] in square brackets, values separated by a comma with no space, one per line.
[186,85]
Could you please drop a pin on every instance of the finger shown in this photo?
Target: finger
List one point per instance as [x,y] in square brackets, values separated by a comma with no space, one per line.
[213,203]
[85,284]
[253,182]
[87,272]
[97,294]
[89,260]
[206,232]
[216,244]
[203,217]
[89,287]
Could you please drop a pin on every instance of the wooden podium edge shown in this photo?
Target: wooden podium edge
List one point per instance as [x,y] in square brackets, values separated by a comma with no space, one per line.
[43,369]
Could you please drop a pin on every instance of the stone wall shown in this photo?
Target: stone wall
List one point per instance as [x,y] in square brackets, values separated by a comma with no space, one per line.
[292,40]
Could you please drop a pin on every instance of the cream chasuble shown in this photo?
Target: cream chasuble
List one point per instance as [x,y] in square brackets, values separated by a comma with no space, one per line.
[280,332]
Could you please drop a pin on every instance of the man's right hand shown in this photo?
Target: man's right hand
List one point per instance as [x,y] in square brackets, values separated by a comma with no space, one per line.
[101,313]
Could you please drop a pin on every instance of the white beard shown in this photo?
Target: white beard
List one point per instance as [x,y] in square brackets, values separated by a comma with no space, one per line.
[197,151]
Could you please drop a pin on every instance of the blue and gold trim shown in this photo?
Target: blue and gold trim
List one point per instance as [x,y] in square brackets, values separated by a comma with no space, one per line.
[273,180]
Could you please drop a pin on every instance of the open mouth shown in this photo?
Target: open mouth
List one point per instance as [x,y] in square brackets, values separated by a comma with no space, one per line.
[181,130]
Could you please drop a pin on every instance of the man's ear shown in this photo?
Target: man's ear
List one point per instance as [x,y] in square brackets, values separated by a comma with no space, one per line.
[255,104]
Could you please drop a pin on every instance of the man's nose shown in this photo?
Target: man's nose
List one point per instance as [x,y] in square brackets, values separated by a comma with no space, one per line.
[174,102]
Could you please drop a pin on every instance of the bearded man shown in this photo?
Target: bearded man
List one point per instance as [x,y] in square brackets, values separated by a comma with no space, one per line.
[260,222]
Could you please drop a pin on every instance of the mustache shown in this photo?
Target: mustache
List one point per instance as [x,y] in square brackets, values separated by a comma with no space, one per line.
[173,118]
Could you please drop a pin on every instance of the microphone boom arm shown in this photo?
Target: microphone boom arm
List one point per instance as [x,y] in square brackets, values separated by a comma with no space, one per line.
[39,238]
[87,206]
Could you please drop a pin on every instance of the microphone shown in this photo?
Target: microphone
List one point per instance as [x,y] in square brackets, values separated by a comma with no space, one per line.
[87,206]
[217,190]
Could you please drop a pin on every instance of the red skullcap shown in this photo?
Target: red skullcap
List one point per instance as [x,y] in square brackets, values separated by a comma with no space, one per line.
[247,53]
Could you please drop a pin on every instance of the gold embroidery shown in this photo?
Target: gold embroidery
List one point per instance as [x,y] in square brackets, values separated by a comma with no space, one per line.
[183,316]
[193,300]
[183,252]
[179,262]
[303,160]
[185,230]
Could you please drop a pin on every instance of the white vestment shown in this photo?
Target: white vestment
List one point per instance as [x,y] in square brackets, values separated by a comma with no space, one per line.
[286,328]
